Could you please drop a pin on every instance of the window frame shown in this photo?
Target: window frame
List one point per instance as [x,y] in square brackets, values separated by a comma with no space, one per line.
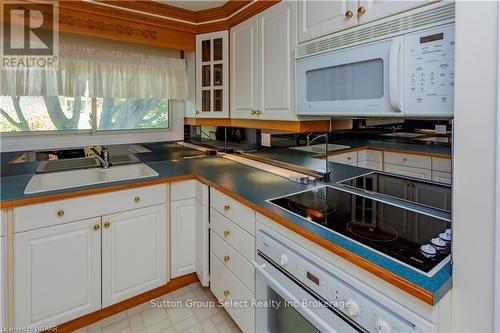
[36,140]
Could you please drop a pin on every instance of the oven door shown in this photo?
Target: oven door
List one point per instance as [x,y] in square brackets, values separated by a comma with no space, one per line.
[287,306]
[365,80]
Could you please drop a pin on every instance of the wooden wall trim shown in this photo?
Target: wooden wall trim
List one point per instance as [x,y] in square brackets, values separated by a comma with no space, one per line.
[93,317]
[150,23]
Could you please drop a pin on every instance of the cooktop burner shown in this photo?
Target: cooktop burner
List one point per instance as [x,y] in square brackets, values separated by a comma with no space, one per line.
[415,239]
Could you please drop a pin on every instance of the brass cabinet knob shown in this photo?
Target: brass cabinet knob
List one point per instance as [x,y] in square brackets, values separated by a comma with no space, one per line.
[254,111]
[259,112]
[361,10]
[107,225]
[226,293]
[60,213]
[197,112]
[96,227]
[348,158]
[227,207]
[405,159]
[349,14]
[226,233]
[137,199]
[226,258]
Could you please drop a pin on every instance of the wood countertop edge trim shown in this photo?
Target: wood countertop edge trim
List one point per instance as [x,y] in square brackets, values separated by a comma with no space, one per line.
[380,272]
[392,150]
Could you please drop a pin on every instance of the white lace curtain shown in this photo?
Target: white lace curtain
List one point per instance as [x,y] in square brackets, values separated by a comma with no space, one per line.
[101,73]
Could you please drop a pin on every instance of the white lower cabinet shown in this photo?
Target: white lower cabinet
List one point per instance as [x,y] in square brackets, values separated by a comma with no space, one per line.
[134,253]
[57,273]
[232,249]
[65,268]
[442,177]
[189,230]
[183,236]
[228,288]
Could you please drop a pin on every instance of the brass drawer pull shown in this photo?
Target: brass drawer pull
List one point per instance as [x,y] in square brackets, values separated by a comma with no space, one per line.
[226,258]
[107,225]
[226,293]
[361,10]
[226,233]
[349,14]
[96,227]
[60,213]
[137,199]
[227,207]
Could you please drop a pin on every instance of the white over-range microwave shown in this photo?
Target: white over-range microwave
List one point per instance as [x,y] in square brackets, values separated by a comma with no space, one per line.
[410,75]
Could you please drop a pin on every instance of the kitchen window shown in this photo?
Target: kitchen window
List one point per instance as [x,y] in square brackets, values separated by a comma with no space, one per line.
[95,95]
[24,114]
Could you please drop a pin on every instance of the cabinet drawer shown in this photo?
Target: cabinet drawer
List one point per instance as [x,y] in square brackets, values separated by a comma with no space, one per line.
[226,287]
[370,155]
[233,260]
[185,189]
[441,164]
[345,158]
[239,239]
[233,210]
[442,177]
[411,160]
[370,165]
[408,171]
[63,211]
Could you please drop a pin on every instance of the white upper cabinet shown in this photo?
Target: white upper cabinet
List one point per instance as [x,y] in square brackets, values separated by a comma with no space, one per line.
[277,40]
[262,65]
[212,91]
[369,10]
[57,273]
[319,18]
[244,69]
[134,253]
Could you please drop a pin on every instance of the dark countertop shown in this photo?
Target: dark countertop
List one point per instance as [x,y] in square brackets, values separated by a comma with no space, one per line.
[256,187]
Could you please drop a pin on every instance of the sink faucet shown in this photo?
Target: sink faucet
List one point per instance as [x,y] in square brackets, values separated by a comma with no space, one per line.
[103,157]
[316,138]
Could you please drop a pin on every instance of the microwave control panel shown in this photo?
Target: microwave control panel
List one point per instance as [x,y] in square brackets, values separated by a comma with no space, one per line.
[430,72]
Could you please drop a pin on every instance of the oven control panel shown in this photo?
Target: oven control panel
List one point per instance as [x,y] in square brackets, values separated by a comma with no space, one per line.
[430,72]
[358,302]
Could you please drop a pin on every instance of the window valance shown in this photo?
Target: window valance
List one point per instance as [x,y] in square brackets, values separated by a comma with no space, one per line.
[100,73]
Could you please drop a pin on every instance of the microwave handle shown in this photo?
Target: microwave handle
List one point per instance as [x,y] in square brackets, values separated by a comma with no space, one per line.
[395,71]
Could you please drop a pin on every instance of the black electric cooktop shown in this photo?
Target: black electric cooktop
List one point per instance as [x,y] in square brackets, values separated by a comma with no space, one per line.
[431,194]
[418,240]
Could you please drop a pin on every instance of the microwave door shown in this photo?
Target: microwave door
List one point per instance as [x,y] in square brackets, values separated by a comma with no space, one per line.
[350,82]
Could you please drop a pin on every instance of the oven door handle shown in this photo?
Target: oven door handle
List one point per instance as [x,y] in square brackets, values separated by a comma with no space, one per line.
[289,296]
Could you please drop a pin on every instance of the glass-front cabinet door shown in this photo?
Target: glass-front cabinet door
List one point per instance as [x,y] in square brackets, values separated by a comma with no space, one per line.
[212,75]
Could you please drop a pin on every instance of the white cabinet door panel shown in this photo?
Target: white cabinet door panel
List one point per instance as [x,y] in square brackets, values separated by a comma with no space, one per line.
[244,69]
[134,253]
[183,237]
[57,273]
[319,18]
[277,39]
[376,9]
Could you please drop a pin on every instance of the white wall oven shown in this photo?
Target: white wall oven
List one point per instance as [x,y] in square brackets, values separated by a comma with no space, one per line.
[298,292]
[409,75]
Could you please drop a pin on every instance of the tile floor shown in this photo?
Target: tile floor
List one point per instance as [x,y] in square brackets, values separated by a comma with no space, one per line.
[146,318]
